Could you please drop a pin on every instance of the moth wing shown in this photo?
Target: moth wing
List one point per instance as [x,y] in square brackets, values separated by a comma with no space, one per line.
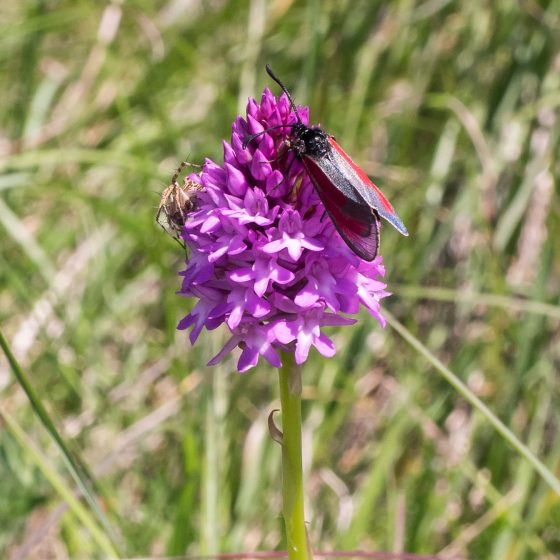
[356,222]
[365,187]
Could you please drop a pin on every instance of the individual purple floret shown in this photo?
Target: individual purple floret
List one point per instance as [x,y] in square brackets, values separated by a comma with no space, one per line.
[266,259]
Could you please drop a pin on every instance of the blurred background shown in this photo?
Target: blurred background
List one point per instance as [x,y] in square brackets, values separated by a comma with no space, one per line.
[452,107]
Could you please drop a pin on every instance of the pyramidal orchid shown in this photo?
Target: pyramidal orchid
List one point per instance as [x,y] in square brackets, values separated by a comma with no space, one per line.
[266,261]
[265,258]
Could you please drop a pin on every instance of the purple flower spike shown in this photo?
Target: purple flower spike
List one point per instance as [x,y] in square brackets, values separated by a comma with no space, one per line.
[266,259]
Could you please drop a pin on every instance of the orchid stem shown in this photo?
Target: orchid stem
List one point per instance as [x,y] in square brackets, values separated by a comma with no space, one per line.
[292,471]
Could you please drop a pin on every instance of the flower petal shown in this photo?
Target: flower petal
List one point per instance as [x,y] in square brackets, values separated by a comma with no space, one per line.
[260,166]
[236,182]
[248,359]
[303,345]
[228,347]
[324,345]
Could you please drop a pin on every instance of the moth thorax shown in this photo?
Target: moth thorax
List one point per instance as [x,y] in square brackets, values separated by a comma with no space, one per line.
[296,144]
[316,142]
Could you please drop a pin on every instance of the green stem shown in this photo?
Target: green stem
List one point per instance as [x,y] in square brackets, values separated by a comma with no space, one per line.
[292,471]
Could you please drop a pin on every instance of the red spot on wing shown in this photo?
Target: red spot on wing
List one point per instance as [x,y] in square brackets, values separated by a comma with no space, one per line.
[365,179]
[357,224]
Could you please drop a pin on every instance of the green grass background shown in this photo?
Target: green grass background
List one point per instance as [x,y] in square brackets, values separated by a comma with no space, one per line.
[453,108]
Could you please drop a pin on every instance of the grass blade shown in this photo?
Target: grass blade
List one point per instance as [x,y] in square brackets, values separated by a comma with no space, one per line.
[60,485]
[75,471]
[469,396]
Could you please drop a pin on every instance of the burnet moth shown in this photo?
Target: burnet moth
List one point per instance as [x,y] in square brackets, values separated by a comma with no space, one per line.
[349,196]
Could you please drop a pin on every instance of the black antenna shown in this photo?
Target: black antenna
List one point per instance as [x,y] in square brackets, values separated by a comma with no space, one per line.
[251,137]
[273,76]
[248,139]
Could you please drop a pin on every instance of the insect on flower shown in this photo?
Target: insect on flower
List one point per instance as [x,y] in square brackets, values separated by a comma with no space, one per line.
[265,258]
[177,201]
[352,200]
